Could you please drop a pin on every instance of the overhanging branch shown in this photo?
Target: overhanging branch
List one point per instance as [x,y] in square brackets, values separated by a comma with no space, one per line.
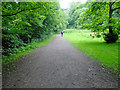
[13,14]
[18,12]
[113,2]
[115,8]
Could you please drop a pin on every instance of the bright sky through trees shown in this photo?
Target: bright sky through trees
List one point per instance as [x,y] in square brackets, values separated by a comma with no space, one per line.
[66,3]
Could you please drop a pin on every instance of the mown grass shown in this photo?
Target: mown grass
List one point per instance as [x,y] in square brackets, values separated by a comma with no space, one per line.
[6,61]
[96,48]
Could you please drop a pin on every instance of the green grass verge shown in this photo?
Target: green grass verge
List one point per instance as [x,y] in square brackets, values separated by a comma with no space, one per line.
[96,48]
[6,61]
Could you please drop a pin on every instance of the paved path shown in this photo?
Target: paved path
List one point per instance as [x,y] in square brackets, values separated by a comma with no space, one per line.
[59,65]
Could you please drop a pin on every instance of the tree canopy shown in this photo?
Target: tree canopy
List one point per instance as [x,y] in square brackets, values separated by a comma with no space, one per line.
[98,17]
[23,22]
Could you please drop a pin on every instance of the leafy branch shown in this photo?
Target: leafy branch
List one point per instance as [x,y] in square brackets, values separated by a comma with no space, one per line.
[115,8]
[19,12]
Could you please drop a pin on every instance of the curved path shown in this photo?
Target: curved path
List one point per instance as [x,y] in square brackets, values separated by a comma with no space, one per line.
[59,65]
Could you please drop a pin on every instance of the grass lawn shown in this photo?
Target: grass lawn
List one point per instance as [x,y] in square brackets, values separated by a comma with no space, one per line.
[96,48]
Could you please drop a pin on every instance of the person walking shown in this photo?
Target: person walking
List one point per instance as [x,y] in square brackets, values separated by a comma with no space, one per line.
[62,33]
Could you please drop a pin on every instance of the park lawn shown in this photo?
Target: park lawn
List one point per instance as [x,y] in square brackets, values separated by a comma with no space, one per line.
[96,48]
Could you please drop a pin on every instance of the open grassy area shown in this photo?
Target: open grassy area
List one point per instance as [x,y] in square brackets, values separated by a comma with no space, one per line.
[96,48]
[25,50]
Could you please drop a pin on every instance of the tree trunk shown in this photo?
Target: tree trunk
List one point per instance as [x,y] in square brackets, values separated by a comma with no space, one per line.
[110,16]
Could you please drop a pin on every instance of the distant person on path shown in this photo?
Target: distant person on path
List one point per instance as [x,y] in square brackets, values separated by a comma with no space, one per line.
[62,33]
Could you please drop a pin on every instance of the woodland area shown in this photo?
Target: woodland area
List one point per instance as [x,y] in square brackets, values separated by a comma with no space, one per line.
[27,22]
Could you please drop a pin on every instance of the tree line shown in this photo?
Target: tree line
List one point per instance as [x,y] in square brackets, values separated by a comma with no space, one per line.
[24,22]
[98,17]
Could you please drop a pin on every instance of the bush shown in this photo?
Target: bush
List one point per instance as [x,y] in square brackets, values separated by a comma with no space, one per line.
[98,36]
[110,38]
[9,43]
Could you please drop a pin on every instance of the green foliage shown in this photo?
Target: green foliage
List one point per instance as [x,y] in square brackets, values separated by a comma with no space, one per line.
[24,22]
[10,42]
[75,12]
[96,16]
[98,36]
[110,38]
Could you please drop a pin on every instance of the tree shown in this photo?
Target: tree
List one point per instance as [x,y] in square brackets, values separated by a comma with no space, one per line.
[24,22]
[100,16]
[75,12]
[111,37]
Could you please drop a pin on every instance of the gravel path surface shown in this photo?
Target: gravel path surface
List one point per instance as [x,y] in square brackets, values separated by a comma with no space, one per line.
[59,65]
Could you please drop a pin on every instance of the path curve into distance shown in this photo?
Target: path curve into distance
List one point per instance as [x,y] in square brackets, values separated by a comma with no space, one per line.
[59,65]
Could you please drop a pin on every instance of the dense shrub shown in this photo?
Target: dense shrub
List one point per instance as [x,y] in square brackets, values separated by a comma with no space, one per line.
[98,35]
[9,42]
[110,38]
